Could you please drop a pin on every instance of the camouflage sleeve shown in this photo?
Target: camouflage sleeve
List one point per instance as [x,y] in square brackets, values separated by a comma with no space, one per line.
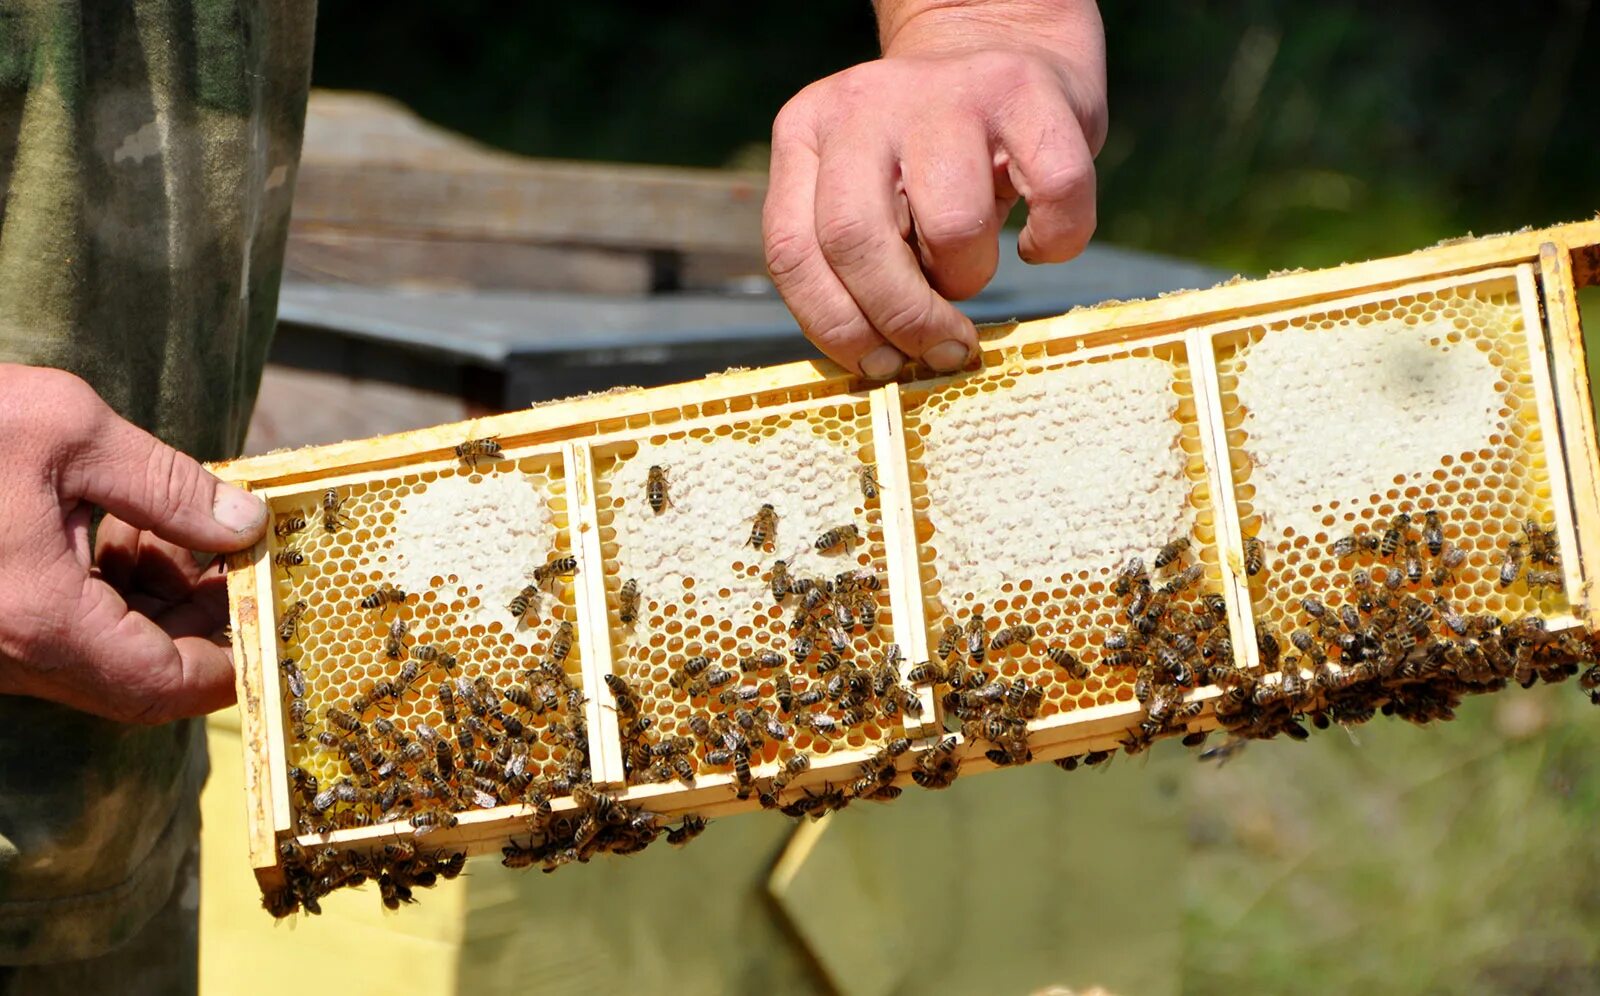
[147,158]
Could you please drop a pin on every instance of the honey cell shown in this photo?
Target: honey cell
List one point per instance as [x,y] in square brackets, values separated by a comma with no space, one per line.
[1052,484]
[459,544]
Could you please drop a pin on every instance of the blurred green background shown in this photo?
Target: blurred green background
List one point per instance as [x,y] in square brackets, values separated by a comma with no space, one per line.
[1258,134]
[1253,135]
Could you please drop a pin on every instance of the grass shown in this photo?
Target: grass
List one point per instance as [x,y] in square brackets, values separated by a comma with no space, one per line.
[1458,859]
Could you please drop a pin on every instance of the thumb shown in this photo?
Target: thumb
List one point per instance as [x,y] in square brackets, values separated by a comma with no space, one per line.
[152,486]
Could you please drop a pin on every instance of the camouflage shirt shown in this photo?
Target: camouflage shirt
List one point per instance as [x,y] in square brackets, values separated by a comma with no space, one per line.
[147,155]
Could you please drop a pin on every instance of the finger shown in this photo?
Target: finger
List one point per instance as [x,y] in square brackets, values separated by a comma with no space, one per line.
[133,561]
[856,228]
[1050,165]
[949,179]
[116,552]
[152,486]
[827,314]
[78,523]
[202,613]
[87,651]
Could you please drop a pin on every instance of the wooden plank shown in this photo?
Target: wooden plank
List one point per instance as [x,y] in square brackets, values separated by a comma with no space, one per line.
[901,552]
[271,679]
[261,794]
[534,201]
[442,262]
[1575,410]
[594,619]
[371,164]
[1200,347]
[1549,431]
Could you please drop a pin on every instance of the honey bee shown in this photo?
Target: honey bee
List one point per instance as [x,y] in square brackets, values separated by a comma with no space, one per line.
[289,626]
[1544,579]
[742,781]
[430,820]
[1011,635]
[628,601]
[1254,556]
[1393,535]
[447,705]
[342,720]
[557,567]
[948,642]
[977,644]
[289,558]
[292,677]
[655,489]
[427,653]
[1413,563]
[1067,661]
[780,581]
[1344,546]
[332,519]
[473,450]
[1224,752]
[526,601]
[1172,553]
[839,536]
[288,524]
[1432,533]
[868,477]
[297,719]
[561,642]
[394,645]
[1542,546]
[383,596]
[1511,565]
[927,673]
[765,528]
[689,829]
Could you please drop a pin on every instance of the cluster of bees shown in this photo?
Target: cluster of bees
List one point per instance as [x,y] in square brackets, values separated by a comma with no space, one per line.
[764,696]
[1395,644]
[1172,630]
[481,757]
[1387,641]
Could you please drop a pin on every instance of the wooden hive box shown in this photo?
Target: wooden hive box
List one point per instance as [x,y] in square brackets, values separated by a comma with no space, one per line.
[1257,424]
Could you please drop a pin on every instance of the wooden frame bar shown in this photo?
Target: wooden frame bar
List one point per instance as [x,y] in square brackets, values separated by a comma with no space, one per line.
[1549,423]
[1194,321]
[1199,346]
[900,548]
[606,768]
[1575,412]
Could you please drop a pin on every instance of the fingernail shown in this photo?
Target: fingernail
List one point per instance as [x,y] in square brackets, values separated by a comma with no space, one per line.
[238,510]
[882,363]
[946,356]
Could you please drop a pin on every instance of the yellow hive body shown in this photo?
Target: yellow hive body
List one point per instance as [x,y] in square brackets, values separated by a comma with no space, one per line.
[1272,453]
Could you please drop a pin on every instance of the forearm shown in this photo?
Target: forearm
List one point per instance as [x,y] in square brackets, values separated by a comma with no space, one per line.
[1068,33]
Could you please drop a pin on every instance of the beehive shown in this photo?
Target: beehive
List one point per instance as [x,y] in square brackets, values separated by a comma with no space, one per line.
[1295,412]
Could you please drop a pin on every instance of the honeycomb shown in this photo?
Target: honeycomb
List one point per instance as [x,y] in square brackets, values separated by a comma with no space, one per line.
[705,591]
[1395,444]
[1340,420]
[1034,481]
[458,541]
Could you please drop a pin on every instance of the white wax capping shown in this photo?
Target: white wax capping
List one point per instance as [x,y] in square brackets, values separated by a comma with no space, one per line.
[716,487]
[1073,469]
[1337,414]
[488,533]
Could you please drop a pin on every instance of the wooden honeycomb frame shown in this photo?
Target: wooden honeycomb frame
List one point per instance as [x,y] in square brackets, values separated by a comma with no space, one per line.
[1545,267]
